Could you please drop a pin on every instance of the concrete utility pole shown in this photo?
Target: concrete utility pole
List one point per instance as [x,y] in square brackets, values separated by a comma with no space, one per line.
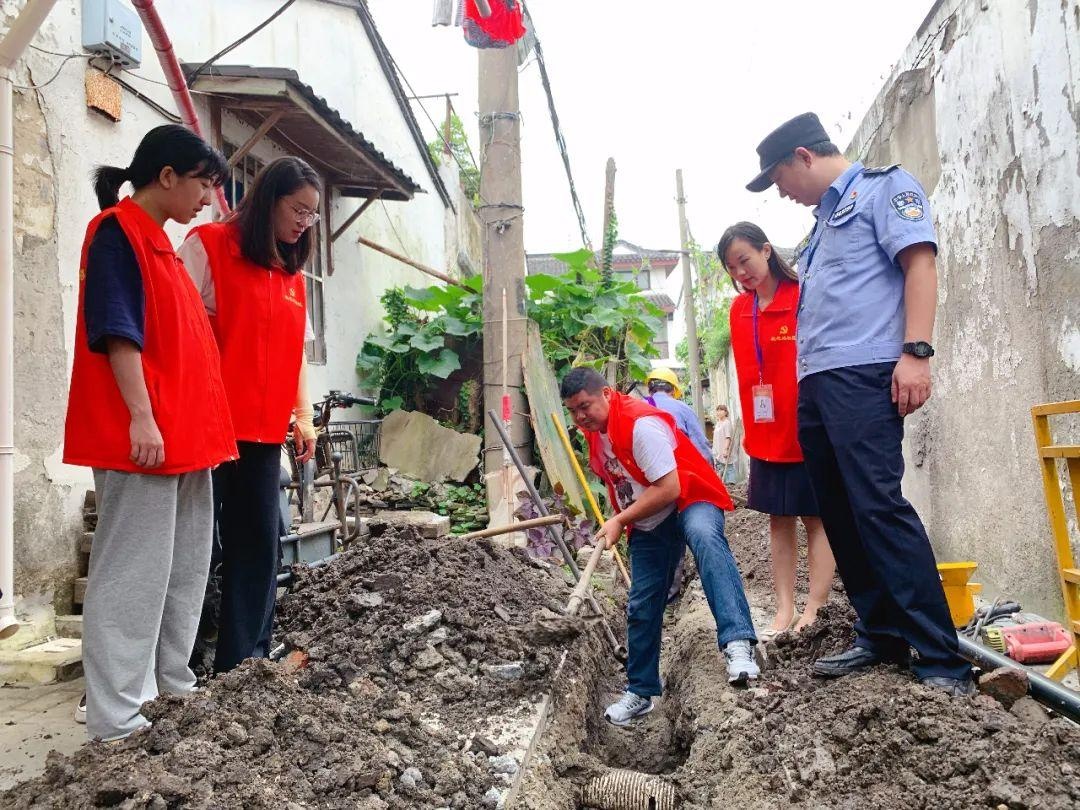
[688,298]
[504,260]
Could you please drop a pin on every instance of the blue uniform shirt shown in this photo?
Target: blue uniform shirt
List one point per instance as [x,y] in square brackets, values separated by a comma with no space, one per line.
[686,420]
[851,310]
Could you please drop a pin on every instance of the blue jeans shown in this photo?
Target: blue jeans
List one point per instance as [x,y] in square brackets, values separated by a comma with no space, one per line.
[653,558]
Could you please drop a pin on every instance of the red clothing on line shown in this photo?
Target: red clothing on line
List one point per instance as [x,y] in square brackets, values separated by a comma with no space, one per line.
[768,441]
[180,364]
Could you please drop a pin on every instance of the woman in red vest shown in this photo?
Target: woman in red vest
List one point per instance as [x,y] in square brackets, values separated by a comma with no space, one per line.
[247,269]
[147,412]
[763,340]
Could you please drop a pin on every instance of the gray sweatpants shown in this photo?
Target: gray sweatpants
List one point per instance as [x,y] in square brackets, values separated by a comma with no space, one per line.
[148,567]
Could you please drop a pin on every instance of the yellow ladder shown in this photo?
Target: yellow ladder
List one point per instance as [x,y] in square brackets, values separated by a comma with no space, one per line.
[1049,454]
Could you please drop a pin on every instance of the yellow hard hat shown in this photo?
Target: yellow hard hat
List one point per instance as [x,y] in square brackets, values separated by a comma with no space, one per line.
[668,376]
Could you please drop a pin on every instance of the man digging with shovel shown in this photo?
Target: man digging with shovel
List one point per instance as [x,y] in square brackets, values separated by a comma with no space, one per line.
[665,494]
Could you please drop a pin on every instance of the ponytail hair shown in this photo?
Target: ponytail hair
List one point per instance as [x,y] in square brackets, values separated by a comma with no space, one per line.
[757,239]
[167,145]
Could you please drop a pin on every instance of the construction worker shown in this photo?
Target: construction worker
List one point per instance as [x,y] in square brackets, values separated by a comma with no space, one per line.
[147,412]
[665,394]
[665,495]
[247,269]
[763,341]
[866,317]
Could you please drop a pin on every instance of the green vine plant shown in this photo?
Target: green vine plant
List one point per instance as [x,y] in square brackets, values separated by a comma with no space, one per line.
[585,320]
[469,175]
[429,331]
[582,321]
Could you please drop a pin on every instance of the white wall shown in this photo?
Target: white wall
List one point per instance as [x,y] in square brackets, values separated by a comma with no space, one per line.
[59,142]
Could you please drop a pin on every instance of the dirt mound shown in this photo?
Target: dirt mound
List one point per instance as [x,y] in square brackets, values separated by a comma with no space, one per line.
[427,658]
[878,739]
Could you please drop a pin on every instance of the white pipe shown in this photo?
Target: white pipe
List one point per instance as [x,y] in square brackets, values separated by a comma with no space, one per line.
[11,48]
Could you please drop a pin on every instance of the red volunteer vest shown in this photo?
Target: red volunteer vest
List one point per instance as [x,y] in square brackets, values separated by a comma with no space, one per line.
[180,364]
[769,441]
[698,480]
[260,331]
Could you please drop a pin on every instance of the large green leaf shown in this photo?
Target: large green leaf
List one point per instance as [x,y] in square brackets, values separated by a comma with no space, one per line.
[475,283]
[456,326]
[427,342]
[441,365]
[542,283]
[577,260]
[388,343]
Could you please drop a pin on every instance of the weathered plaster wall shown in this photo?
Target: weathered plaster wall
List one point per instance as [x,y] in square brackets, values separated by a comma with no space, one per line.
[986,111]
[59,141]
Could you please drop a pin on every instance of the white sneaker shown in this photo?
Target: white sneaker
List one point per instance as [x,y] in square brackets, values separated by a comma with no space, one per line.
[627,708]
[80,710]
[741,666]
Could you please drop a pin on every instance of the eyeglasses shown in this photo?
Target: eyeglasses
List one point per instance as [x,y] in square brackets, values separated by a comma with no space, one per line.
[303,216]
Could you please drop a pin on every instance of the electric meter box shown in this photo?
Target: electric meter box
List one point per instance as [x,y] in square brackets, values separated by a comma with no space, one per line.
[112,30]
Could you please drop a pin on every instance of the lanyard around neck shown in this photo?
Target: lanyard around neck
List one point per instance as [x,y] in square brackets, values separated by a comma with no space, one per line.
[757,346]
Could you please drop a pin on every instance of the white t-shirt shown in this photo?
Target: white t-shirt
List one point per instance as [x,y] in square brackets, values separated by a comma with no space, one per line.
[720,436]
[193,254]
[654,453]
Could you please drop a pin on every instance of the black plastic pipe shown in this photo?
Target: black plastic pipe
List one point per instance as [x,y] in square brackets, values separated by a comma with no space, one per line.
[1050,693]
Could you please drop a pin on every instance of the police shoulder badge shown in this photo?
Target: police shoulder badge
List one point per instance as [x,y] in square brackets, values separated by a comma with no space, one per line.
[909,205]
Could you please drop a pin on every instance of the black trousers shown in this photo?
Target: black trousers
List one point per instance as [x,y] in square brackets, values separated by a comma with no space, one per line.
[248,516]
[851,434]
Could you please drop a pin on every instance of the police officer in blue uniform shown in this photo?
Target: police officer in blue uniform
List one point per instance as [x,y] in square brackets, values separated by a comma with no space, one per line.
[869,291]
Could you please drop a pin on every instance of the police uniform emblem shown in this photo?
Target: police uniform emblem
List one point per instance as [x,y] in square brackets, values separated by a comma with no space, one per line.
[909,205]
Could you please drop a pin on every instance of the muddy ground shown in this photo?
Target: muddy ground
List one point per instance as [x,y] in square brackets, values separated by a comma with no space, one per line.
[875,740]
[429,659]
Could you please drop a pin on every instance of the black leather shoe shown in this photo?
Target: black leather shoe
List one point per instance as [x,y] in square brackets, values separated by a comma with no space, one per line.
[956,687]
[855,659]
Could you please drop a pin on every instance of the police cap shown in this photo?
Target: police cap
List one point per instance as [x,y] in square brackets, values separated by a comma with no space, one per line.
[802,130]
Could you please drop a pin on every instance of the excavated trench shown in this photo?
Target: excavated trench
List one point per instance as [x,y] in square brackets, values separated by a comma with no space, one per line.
[440,673]
[875,740]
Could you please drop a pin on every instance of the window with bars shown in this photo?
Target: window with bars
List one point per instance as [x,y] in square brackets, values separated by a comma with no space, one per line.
[243,175]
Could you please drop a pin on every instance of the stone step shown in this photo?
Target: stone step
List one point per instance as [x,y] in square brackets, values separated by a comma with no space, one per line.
[48,662]
[69,626]
[79,596]
[86,539]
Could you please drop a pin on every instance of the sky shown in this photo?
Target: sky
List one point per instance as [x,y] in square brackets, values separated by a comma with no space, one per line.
[661,86]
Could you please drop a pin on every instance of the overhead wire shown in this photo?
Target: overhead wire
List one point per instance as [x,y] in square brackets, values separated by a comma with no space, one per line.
[237,43]
[560,141]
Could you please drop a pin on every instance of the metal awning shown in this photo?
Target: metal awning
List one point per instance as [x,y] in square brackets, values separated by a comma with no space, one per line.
[275,103]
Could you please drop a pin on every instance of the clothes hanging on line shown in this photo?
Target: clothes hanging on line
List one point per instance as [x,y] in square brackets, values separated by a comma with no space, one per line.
[500,30]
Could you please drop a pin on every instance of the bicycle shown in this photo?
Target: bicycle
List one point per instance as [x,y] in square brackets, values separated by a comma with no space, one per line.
[341,451]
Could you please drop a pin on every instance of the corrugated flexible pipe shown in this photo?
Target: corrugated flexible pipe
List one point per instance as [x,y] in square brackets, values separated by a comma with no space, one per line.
[170,66]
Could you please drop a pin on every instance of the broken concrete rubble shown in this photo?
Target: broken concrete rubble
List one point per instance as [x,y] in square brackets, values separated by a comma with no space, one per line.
[419,446]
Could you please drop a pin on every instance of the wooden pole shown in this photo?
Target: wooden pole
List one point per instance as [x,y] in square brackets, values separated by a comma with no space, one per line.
[583,584]
[355,215]
[423,268]
[521,526]
[688,298]
[504,250]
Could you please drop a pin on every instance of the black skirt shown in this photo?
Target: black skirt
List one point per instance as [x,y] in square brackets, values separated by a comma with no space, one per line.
[780,488]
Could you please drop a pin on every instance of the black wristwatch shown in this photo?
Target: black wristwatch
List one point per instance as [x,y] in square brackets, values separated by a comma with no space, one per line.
[920,348]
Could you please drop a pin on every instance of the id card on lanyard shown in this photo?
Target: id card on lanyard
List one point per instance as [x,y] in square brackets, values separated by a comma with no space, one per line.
[762,392]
